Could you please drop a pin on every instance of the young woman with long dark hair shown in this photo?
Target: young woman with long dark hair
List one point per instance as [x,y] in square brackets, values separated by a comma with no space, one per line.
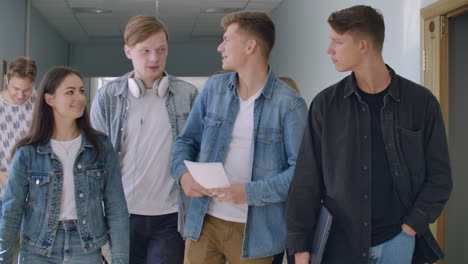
[65,188]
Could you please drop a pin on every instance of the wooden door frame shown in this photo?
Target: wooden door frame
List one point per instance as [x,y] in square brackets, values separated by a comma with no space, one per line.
[435,76]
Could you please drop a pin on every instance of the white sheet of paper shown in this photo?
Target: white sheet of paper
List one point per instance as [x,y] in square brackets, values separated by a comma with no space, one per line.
[208,174]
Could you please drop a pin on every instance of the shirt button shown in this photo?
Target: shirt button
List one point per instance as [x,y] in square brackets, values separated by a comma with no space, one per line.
[121,129]
[363,109]
[83,222]
[37,182]
[79,166]
[364,254]
[364,137]
[81,195]
[366,196]
[98,174]
[364,167]
[365,224]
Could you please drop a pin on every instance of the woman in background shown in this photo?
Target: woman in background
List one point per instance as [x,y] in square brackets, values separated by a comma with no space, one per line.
[64,189]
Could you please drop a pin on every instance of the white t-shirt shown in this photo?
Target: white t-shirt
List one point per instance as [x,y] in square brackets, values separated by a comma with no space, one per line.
[147,148]
[66,152]
[238,161]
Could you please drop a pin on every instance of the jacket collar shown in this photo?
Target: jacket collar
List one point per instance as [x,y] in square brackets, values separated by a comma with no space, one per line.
[267,90]
[393,90]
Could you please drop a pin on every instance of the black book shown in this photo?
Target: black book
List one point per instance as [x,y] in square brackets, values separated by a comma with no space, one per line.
[319,240]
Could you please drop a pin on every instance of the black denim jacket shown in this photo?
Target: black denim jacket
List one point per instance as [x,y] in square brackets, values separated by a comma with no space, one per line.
[334,166]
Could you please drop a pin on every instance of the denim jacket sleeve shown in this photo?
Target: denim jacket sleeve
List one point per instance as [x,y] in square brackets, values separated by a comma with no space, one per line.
[98,113]
[13,205]
[437,186]
[116,208]
[187,144]
[275,189]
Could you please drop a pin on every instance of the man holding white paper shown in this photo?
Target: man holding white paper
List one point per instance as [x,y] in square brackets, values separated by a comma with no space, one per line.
[253,123]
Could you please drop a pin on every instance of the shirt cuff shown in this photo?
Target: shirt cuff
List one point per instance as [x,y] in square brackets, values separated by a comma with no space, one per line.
[417,222]
[297,243]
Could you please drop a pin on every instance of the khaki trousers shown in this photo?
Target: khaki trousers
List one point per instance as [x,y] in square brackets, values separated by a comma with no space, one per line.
[220,241]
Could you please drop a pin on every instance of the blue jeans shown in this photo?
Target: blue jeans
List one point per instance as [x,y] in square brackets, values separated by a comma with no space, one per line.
[398,250]
[67,249]
[155,239]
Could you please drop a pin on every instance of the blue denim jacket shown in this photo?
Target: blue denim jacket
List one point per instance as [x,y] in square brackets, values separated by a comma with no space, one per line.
[109,114]
[279,118]
[34,192]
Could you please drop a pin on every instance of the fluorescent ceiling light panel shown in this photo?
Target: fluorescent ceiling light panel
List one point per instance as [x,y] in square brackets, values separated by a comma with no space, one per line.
[222,10]
[86,10]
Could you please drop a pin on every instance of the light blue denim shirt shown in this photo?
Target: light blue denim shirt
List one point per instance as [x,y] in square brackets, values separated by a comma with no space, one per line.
[279,119]
[34,191]
[109,114]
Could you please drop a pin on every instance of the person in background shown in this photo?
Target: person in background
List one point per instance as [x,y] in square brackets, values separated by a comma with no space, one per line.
[289,81]
[65,189]
[16,107]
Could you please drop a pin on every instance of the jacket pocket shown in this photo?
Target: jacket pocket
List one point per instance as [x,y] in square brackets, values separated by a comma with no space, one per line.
[211,129]
[212,120]
[413,151]
[269,149]
[39,188]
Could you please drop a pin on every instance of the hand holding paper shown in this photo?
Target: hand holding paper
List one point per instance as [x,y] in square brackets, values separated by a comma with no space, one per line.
[208,175]
[191,187]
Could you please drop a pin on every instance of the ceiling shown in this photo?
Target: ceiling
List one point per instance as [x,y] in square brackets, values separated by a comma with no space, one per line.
[185,19]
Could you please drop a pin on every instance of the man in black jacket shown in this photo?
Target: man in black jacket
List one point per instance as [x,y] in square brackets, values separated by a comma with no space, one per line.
[374,152]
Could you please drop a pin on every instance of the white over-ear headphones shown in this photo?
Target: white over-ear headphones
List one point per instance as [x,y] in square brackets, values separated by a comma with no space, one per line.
[137,88]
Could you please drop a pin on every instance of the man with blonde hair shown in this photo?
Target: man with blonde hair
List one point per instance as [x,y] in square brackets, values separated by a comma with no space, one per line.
[142,112]
[251,122]
[16,105]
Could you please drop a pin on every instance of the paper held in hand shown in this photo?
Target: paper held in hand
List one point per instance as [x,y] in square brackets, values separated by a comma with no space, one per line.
[208,174]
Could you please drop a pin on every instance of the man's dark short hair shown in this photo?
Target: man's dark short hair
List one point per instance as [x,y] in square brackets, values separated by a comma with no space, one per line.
[360,19]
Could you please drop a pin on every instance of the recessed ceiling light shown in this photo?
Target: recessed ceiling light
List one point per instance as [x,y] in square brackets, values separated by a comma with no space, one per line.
[222,10]
[77,10]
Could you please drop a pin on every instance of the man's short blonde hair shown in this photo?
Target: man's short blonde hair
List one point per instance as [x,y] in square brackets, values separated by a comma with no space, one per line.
[141,27]
[22,67]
